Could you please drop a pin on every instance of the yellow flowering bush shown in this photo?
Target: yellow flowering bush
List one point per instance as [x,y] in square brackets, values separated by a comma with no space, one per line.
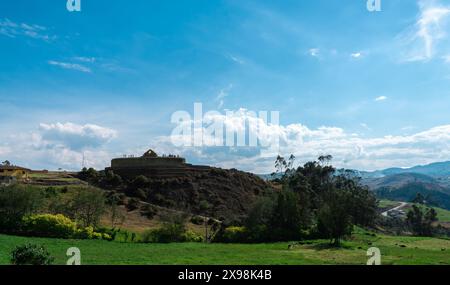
[47,225]
[58,226]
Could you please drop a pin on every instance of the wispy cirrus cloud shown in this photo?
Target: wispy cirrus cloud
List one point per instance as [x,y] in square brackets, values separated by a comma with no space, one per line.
[85,59]
[11,29]
[223,93]
[70,66]
[236,59]
[90,64]
[430,29]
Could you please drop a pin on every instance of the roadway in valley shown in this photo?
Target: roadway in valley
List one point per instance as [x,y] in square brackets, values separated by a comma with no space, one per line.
[402,205]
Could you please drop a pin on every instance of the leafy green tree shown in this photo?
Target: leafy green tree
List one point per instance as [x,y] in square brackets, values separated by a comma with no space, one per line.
[421,221]
[325,159]
[89,174]
[88,205]
[419,199]
[314,194]
[362,204]
[259,218]
[112,180]
[280,166]
[16,202]
[334,217]
[288,217]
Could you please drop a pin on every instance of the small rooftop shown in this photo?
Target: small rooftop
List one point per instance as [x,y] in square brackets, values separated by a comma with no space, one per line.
[150,153]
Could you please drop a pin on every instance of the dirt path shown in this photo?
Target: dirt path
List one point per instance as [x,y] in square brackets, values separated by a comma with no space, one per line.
[402,205]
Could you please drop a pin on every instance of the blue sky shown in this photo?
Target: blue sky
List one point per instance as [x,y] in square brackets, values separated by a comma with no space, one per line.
[372,89]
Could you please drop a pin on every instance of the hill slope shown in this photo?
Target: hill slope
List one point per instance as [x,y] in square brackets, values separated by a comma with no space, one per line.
[439,170]
[219,193]
[214,192]
[408,192]
[402,179]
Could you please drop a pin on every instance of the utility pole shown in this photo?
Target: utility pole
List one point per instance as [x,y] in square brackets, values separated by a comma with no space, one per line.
[83,164]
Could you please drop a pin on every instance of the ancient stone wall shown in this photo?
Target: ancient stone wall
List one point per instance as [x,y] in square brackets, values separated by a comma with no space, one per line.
[144,162]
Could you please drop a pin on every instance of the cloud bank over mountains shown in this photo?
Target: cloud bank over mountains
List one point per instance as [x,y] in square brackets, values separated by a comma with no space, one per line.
[55,145]
[350,150]
[60,145]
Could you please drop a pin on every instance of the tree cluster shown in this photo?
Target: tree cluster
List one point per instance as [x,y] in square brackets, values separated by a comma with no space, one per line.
[315,201]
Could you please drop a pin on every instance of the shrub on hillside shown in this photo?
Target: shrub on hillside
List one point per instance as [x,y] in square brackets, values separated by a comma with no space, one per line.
[90,175]
[149,211]
[47,225]
[58,226]
[122,235]
[31,255]
[234,235]
[166,234]
[132,204]
[112,180]
[197,220]
[88,233]
[191,236]
[169,234]
[173,230]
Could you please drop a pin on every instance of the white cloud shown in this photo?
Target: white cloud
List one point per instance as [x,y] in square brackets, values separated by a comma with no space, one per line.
[75,137]
[381,98]
[85,59]
[13,30]
[70,66]
[58,145]
[236,59]
[349,150]
[63,145]
[421,41]
[314,52]
[87,64]
[223,93]
[365,126]
[356,55]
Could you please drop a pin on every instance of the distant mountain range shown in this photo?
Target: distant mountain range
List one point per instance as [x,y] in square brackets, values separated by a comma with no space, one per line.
[437,170]
[403,184]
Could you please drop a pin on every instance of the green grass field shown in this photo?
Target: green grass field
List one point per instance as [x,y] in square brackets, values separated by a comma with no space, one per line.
[388,204]
[394,250]
[443,215]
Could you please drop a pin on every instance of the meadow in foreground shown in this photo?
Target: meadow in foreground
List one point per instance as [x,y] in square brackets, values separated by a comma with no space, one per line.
[394,250]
